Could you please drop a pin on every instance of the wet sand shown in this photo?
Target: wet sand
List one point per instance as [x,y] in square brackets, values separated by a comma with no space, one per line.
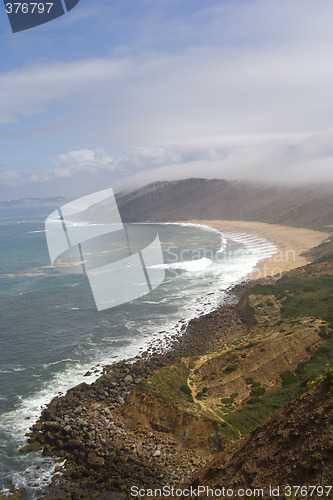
[291,242]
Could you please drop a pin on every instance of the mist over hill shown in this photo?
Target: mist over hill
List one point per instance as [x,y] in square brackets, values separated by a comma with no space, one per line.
[306,206]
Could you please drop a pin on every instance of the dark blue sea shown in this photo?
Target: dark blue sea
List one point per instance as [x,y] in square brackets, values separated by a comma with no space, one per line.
[51,333]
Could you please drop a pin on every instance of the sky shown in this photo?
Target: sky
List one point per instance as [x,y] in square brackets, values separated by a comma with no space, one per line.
[122,93]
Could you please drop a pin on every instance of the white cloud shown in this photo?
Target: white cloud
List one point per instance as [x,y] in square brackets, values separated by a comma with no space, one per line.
[32,90]
[74,163]
[11,177]
[87,164]
[68,165]
[301,159]
[245,91]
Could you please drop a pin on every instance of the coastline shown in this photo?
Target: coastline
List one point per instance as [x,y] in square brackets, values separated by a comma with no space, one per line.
[291,243]
[202,336]
[140,456]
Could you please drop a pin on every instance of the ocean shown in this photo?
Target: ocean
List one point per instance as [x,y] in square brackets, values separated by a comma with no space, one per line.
[51,333]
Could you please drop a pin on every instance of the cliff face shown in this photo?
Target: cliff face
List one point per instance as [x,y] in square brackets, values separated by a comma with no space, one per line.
[307,206]
[245,311]
[294,446]
[203,400]
[148,408]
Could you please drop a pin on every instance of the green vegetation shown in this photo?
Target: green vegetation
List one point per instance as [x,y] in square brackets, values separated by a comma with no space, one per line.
[171,383]
[258,410]
[202,393]
[227,431]
[186,390]
[288,377]
[309,296]
[258,391]
[309,370]
[328,377]
[253,401]
[231,368]
[323,333]
[227,400]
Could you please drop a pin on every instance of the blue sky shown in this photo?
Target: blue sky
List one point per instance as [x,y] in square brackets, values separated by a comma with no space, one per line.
[122,93]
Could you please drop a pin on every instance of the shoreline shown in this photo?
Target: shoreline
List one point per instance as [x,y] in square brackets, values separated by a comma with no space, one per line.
[91,406]
[291,243]
[201,336]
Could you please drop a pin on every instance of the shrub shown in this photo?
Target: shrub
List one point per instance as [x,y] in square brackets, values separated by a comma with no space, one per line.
[314,382]
[328,374]
[328,377]
[323,332]
[288,377]
[186,390]
[253,401]
[231,368]
[258,391]
[227,400]
[249,380]
[256,384]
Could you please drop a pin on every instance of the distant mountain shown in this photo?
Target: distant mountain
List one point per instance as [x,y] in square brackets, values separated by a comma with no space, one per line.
[306,206]
[33,202]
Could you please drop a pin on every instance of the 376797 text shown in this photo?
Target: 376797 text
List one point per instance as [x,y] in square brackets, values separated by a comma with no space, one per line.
[29,7]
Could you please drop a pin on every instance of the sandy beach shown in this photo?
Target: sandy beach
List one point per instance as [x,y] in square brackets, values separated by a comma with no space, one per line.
[291,242]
